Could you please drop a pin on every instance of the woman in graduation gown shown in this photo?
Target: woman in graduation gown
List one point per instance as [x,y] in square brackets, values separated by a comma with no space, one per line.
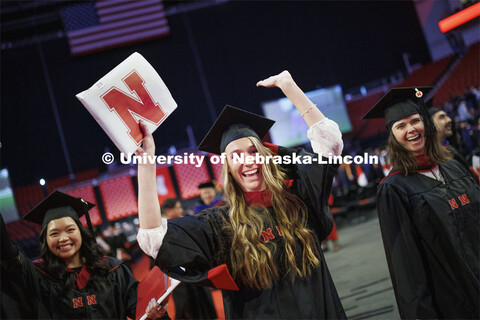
[429,212]
[262,248]
[73,280]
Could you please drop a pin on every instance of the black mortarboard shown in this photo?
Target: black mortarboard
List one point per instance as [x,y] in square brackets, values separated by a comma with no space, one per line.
[206,185]
[58,205]
[399,103]
[233,124]
[433,110]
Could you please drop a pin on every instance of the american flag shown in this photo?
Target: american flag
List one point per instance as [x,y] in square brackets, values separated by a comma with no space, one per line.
[95,26]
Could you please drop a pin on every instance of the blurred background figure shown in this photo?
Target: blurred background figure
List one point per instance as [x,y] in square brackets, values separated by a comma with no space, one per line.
[120,248]
[208,196]
[171,209]
[443,123]
[444,126]
[333,236]
[101,241]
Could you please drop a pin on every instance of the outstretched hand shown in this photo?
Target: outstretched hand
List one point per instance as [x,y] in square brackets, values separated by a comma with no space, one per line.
[279,80]
[148,144]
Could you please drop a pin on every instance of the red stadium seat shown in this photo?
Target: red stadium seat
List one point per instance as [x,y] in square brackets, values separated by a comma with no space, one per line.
[119,197]
[465,74]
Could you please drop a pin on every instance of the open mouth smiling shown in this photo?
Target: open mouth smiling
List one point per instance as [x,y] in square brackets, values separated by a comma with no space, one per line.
[414,138]
[250,173]
[65,247]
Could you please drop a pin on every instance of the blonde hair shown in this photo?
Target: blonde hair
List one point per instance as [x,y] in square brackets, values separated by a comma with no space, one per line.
[252,259]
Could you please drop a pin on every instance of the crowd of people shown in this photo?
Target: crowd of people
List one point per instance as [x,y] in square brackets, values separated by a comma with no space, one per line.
[464,112]
[262,242]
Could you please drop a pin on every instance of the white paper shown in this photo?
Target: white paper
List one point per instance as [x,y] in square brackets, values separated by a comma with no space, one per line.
[157,101]
[173,284]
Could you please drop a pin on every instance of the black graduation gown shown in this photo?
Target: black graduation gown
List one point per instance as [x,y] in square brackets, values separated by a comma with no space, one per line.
[461,159]
[193,302]
[201,244]
[28,292]
[431,234]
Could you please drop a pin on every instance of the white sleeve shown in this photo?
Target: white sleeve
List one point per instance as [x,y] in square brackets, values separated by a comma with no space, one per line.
[150,240]
[326,138]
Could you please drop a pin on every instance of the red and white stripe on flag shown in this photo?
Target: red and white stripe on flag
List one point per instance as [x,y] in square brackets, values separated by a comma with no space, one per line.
[189,177]
[165,187]
[87,194]
[113,23]
[119,197]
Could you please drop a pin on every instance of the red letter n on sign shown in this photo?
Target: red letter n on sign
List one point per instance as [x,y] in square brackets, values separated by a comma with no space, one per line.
[77,302]
[463,198]
[267,235]
[453,204]
[140,104]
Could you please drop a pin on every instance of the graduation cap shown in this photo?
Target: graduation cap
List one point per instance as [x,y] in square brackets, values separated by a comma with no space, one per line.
[399,103]
[206,185]
[58,205]
[433,110]
[233,124]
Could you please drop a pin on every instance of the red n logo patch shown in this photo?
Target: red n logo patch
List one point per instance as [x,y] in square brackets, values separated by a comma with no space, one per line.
[77,302]
[268,235]
[91,299]
[463,198]
[140,104]
[453,204]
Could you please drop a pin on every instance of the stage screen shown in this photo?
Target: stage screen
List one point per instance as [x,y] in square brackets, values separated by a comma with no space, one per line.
[7,201]
[291,130]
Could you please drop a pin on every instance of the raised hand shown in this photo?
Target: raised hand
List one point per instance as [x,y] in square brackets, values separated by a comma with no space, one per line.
[280,80]
[290,89]
[148,144]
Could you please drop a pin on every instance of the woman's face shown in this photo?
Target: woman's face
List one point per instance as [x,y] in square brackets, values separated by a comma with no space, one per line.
[248,176]
[410,133]
[64,240]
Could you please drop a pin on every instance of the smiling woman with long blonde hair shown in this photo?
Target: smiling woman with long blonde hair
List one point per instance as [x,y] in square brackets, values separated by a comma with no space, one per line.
[252,261]
[263,246]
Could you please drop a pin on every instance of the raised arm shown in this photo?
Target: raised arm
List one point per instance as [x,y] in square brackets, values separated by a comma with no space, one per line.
[148,206]
[8,250]
[324,133]
[290,89]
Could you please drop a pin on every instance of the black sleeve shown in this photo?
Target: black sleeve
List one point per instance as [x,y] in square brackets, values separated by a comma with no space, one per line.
[8,250]
[403,250]
[313,184]
[19,282]
[130,285]
[459,158]
[194,243]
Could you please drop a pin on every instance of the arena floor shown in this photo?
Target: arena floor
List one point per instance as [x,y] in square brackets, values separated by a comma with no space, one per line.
[360,270]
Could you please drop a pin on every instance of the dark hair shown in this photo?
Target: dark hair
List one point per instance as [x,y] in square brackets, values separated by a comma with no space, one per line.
[90,251]
[169,204]
[206,185]
[404,160]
